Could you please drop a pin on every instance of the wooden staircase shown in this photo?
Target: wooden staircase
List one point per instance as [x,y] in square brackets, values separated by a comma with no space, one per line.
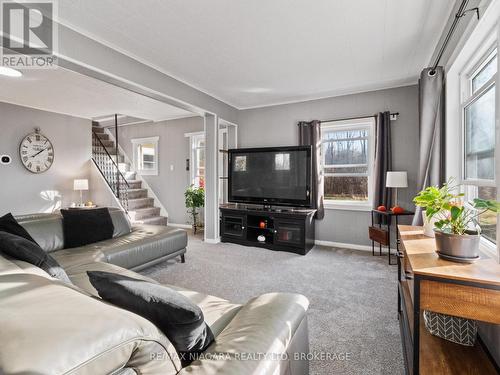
[141,208]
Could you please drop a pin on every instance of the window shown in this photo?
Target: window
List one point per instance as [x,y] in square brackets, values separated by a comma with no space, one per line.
[478,146]
[347,158]
[197,158]
[240,163]
[146,155]
[282,162]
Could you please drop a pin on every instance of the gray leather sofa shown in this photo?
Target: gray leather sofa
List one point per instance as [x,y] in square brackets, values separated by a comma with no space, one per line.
[132,247]
[48,327]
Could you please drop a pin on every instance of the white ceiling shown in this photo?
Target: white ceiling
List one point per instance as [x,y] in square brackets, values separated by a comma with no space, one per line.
[252,53]
[63,91]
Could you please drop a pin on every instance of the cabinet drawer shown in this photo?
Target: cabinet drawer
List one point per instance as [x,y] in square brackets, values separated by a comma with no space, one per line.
[379,235]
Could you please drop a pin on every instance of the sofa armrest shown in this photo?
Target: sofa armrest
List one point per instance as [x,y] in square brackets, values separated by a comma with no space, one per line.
[263,338]
[48,328]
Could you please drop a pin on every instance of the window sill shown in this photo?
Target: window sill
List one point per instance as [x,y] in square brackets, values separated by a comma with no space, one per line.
[147,173]
[347,206]
[487,248]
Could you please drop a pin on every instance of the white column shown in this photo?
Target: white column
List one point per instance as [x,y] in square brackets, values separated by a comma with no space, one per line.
[211,179]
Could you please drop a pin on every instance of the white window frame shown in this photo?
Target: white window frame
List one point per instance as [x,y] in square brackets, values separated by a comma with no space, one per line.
[367,123]
[136,142]
[476,62]
[193,159]
[468,98]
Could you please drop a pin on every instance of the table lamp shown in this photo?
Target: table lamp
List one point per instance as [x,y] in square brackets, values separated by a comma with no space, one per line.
[396,180]
[81,185]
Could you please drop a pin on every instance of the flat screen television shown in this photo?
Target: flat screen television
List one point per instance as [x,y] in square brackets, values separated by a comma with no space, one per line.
[270,176]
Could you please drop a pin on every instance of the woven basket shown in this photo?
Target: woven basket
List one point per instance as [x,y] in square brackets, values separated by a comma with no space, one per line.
[458,330]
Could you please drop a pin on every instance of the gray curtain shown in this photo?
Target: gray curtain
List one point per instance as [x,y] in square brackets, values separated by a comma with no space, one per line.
[383,159]
[310,134]
[431,117]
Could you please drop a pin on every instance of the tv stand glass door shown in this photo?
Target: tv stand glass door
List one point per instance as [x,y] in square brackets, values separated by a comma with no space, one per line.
[234,226]
[288,232]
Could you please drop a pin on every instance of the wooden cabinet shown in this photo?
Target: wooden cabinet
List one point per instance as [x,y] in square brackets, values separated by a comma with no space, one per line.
[426,282]
[285,230]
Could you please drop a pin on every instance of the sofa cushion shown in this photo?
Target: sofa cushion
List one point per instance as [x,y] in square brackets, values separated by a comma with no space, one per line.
[69,258]
[46,230]
[10,225]
[144,244]
[179,318]
[266,326]
[218,312]
[22,249]
[121,222]
[83,227]
[9,265]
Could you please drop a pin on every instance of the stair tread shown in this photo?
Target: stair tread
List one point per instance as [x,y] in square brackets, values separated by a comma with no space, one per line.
[145,209]
[139,199]
[152,219]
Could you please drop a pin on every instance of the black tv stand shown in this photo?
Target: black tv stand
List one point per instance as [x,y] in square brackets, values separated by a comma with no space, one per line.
[286,229]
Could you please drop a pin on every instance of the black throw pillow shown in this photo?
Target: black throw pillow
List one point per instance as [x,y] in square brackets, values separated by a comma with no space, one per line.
[175,315]
[22,249]
[10,225]
[82,227]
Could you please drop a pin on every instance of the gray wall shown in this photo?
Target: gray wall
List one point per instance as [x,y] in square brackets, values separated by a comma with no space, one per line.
[169,186]
[276,126]
[24,192]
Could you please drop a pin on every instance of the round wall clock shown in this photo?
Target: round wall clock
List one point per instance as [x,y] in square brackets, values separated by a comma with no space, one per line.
[37,153]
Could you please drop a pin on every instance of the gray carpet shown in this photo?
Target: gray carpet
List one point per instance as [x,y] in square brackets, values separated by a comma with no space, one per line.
[352,297]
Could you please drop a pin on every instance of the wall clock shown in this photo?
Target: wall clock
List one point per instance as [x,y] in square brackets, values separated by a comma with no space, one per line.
[36,151]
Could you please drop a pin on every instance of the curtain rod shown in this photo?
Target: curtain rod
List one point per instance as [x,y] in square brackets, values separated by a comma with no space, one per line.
[462,11]
[357,118]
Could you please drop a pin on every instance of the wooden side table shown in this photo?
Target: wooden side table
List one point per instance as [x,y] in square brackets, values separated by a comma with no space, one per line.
[427,282]
[381,234]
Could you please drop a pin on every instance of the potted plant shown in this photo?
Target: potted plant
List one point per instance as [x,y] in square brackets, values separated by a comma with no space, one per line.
[456,225]
[195,199]
[457,234]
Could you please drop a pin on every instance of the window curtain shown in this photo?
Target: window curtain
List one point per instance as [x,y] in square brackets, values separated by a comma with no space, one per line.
[383,160]
[431,137]
[310,134]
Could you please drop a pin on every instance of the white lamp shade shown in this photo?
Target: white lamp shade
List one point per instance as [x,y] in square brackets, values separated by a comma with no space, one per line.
[81,184]
[396,180]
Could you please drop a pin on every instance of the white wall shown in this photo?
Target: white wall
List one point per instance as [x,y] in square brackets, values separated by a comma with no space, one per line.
[24,192]
[173,150]
[277,126]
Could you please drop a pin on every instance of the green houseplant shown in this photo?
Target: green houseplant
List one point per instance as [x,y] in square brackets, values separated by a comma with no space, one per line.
[194,199]
[456,222]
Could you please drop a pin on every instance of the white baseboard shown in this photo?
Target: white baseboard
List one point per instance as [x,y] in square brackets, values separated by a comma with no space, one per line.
[212,240]
[343,245]
[183,226]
